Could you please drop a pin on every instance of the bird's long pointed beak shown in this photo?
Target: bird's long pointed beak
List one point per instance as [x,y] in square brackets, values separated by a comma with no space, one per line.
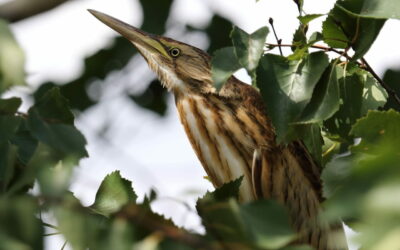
[141,39]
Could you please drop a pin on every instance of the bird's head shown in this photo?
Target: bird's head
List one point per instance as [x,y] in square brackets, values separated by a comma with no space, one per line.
[179,66]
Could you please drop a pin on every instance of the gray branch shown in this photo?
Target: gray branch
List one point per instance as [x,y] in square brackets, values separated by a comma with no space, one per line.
[17,10]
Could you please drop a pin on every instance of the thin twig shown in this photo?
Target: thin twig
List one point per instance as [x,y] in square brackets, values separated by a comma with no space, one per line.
[49,225]
[388,89]
[64,245]
[316,46]
[51,234]
[279,41]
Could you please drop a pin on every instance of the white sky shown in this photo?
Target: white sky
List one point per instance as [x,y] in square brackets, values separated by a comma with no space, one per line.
[151,151]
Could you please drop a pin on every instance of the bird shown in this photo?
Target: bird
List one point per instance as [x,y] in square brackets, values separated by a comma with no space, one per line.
[233,137]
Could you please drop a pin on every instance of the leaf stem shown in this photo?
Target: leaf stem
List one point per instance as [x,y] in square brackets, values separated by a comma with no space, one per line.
[49,225]
[279,41]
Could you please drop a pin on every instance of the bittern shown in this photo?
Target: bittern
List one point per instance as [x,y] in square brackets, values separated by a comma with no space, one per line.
[232,135]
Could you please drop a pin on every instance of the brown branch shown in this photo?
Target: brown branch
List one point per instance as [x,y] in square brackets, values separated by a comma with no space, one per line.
[17,10]
[315,47]
[381,82]
[138,216]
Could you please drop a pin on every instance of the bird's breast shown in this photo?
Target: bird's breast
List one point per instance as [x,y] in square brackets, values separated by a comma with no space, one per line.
[219,140]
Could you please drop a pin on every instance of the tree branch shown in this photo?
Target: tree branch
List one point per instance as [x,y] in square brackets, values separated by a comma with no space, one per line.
[136,214]
[315,47]
[17,10]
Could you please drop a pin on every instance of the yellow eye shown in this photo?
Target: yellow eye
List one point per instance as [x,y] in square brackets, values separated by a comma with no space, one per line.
[174,52]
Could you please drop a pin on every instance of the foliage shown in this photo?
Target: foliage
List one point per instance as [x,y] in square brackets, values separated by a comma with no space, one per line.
[347,117]
[11,59]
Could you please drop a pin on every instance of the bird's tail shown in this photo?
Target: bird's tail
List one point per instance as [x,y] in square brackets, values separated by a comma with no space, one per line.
[291,177]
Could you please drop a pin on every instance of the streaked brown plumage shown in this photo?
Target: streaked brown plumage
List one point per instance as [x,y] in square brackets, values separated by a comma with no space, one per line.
[233,137]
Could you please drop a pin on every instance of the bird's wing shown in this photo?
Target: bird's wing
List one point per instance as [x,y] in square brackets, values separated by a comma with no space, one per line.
[310,168]
[277,171]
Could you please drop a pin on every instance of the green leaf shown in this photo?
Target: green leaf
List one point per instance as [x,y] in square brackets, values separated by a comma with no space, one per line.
[80,227]
[308,18]
[120,235]
[299,4]
[359,93]
[249,47]
[372,8]
[268,224]
[223,220]
[376,129]
[299,53]
[391,78]
[315,37]
[53,107]
[364,175]
[299,37]
[342,29]
[218,210]
[374,95]
[325,100]
[372,165]
[335,173]
[12,59]
[8,126]
[223,65]
[54,180]
[330,148]
[351,90]
[287,87]
[25,142]
[44,157]
[8,158]
[311,136]
[65,139]
[19,226]
[17,147]
[223,193]
[300,42]
[10,106]
[260,224]
[333,34]
[113,193]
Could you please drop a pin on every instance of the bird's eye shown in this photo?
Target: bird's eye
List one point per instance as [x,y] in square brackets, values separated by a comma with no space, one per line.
[174,52]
